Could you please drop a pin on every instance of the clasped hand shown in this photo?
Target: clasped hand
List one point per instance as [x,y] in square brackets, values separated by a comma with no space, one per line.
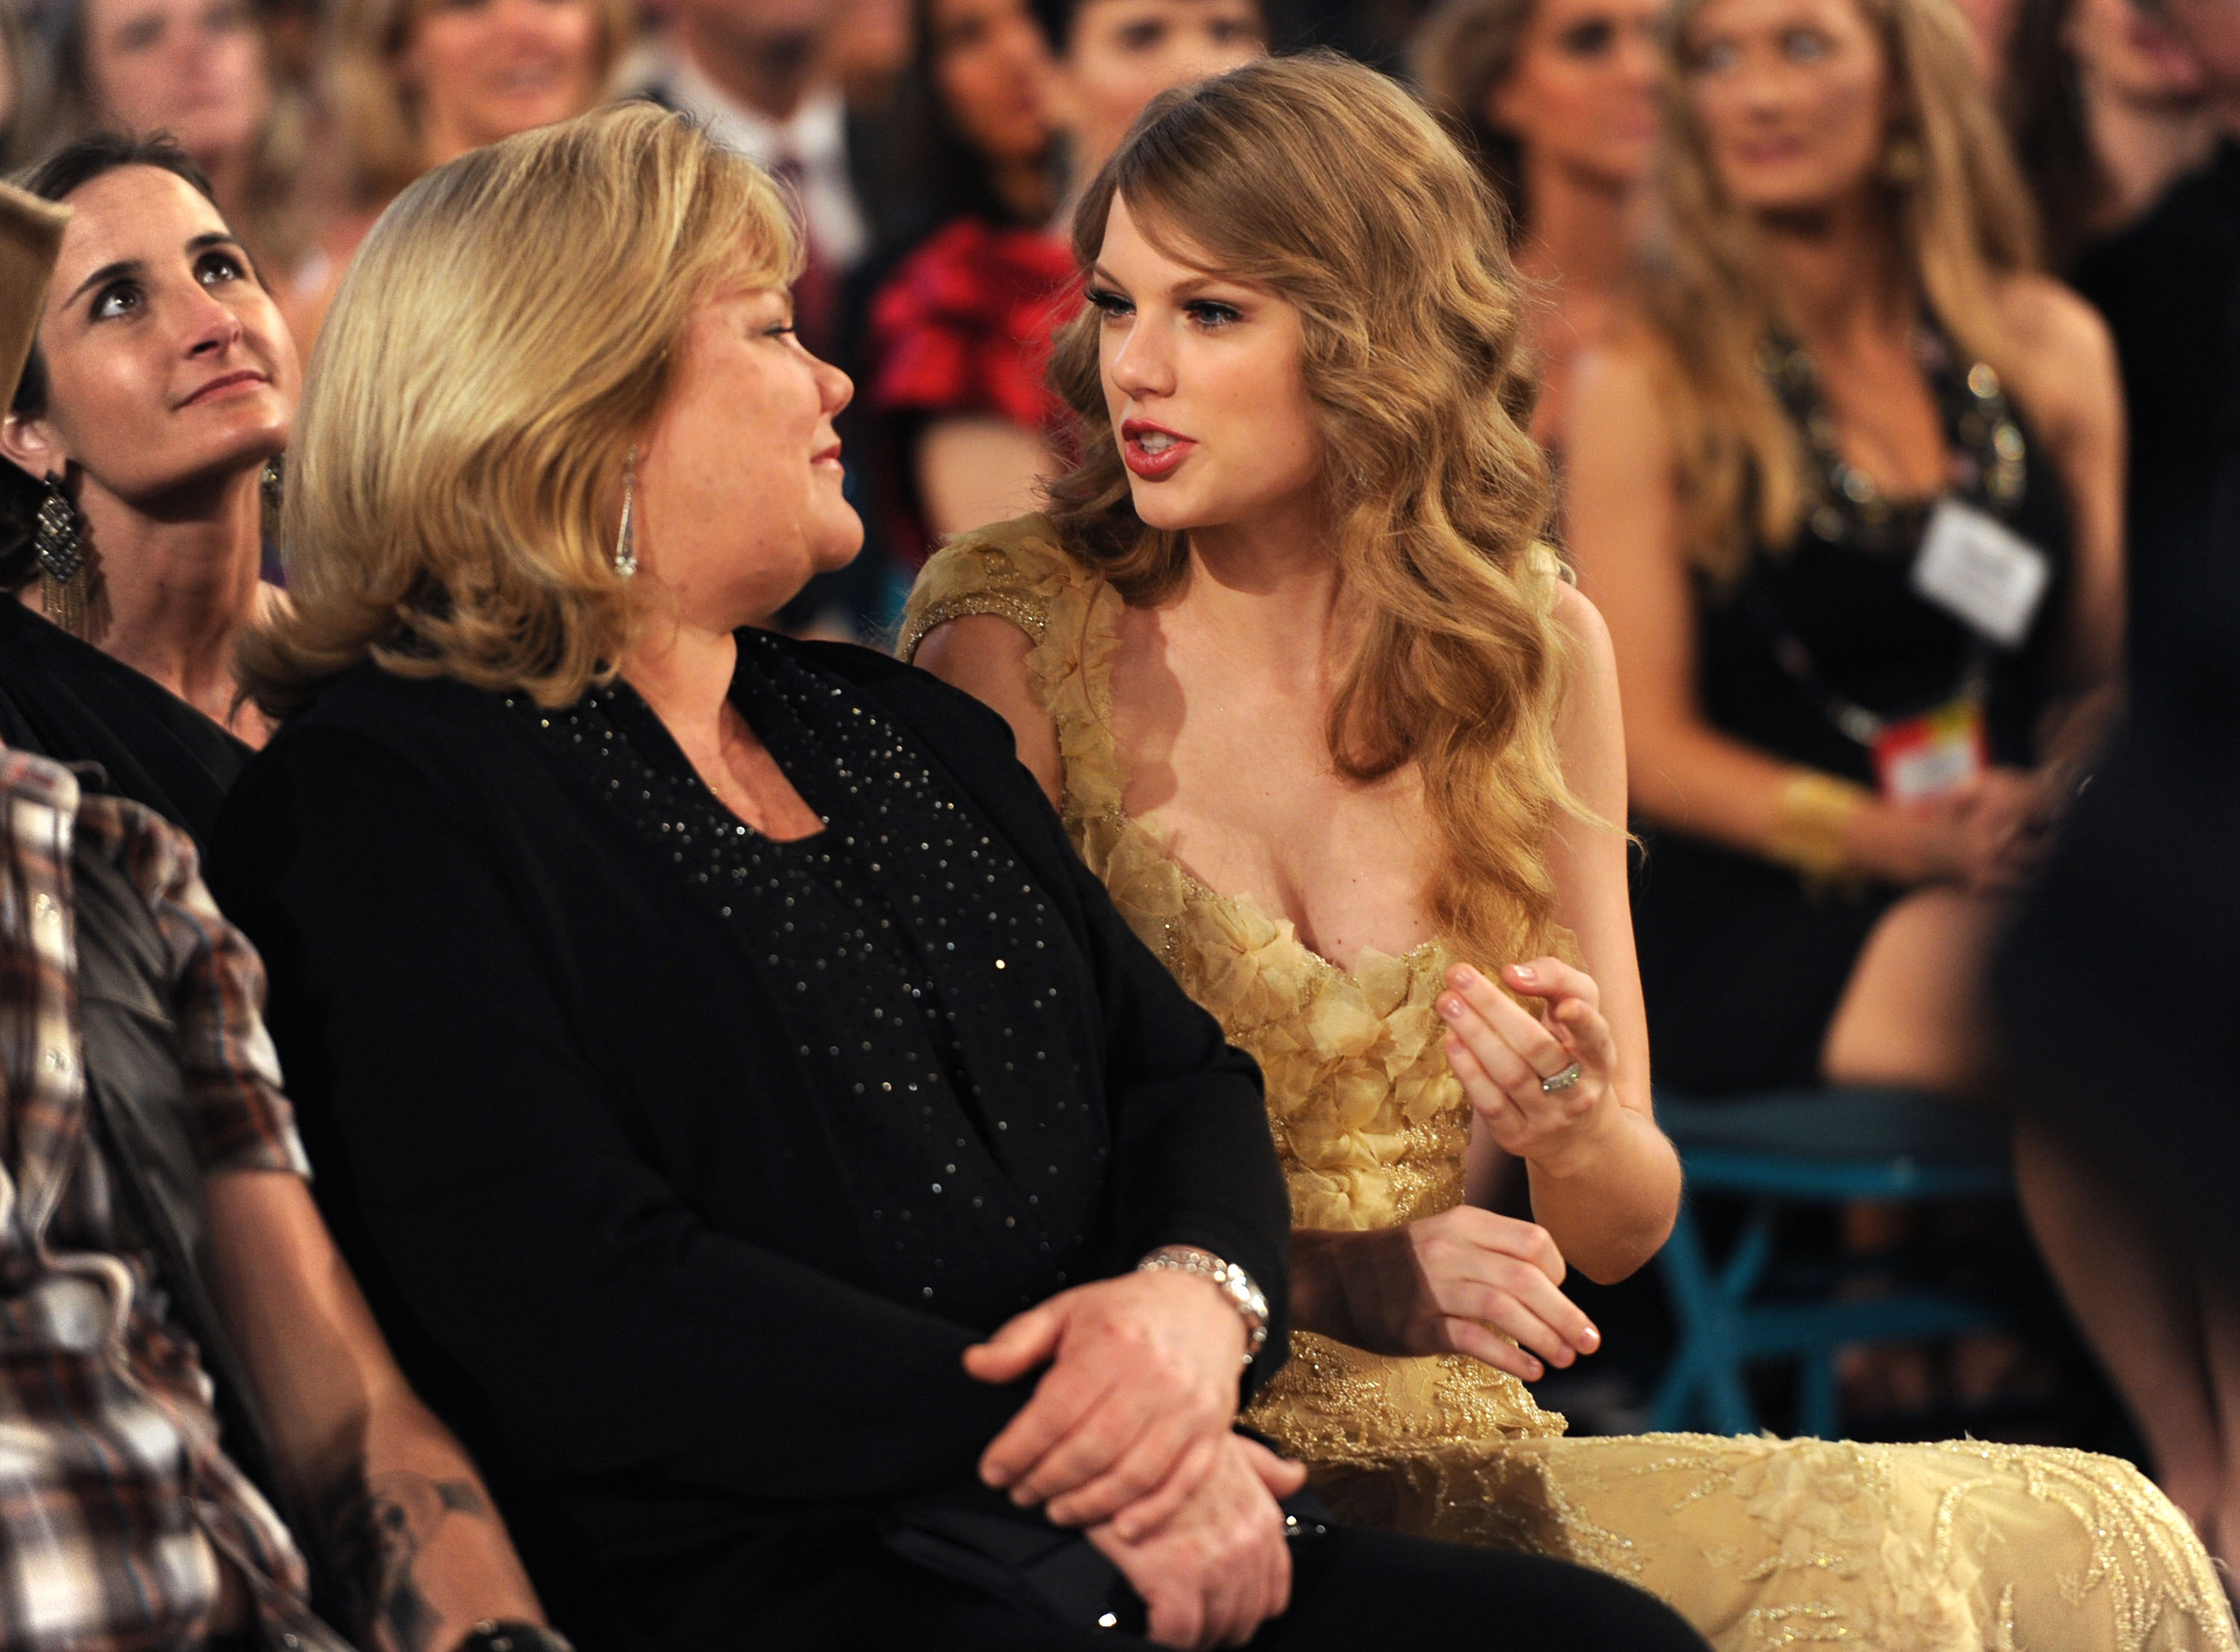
[1128,1435]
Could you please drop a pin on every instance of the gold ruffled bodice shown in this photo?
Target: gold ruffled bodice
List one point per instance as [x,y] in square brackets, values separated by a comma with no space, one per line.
[1961,1547]
[1368,1122]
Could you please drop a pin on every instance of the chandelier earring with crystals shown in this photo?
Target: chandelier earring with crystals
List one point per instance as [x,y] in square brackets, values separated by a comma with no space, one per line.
[626,541]
[59,543]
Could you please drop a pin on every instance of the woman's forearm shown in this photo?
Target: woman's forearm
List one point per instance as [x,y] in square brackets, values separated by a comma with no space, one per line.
[1318,1299]
[1611,1205]
[1696,780]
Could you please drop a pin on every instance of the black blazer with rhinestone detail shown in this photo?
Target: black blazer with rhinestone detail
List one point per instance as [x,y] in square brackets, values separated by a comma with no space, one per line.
[561,1133]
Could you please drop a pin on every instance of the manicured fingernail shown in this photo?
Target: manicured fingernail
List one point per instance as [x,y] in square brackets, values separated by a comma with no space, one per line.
[1590,1338]
[1522,972]
[1534,1370]
[1450,1007]
[1463,976]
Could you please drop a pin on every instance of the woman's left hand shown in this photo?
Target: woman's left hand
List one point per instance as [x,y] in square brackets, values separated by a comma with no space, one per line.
[1501,1052]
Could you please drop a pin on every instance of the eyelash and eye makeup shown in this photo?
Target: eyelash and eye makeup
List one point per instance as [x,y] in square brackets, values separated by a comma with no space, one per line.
[1797,45]
[216,266]
[1589,39]
[1209,313]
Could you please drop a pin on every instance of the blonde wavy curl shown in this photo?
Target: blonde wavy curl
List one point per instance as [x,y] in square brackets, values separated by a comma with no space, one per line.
[1326,183]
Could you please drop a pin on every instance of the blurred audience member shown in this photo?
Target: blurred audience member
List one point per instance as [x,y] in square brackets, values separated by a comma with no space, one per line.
[1560,97]
[2145,887]
[760,74]
[2106,111]
[1847,396]
[155,406]
[14,87]
[869,53]
[1990,36]
[197,71]
[2169,288]
[1849,498]
[959,331]
[415,83]
[1116,55]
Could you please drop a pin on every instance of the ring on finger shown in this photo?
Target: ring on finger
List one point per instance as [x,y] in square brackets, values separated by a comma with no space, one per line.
[1561,1082]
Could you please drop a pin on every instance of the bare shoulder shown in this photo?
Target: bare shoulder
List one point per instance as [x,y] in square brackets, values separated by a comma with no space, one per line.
[1583,627]
[2064,366]
[1614,410]
[1620,369]
[986,656]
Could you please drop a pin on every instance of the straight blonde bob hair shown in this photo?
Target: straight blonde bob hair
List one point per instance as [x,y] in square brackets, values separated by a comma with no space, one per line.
[1325,182]
[1958,215]
[506,333]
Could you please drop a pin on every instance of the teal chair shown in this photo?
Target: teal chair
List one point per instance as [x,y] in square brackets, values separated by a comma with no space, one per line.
[1810,1147]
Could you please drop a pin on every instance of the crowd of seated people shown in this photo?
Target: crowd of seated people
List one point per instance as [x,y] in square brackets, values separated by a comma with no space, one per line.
[1418,597]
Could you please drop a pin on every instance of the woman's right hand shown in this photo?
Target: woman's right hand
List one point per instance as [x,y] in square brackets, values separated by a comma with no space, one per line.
[1464,1281]
[1989,837]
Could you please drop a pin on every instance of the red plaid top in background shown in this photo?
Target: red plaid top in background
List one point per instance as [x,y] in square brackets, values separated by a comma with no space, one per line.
[116,1499]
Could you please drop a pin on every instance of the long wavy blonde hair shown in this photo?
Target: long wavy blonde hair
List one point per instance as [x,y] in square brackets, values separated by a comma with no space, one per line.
[1961,219]
[1326,183]
[506,331]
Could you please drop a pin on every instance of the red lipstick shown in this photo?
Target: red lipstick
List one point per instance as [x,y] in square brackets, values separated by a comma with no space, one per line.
[1160,460]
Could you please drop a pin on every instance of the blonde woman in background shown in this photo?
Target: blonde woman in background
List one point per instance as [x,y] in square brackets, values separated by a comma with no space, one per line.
[1849,496]
[1560,98]
[200,72]
[1319,708]
[415,83]
[1869,614]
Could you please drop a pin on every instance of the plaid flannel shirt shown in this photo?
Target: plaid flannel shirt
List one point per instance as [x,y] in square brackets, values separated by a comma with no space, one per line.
[117,1501]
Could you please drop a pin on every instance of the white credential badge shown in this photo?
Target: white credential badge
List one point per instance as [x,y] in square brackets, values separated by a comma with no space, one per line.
[1983,573]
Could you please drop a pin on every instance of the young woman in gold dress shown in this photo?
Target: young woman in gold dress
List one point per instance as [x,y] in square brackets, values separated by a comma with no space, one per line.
[1321,710]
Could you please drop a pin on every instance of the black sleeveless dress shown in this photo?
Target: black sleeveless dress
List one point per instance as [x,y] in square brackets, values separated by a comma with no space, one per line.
[1743,962]
[65,699]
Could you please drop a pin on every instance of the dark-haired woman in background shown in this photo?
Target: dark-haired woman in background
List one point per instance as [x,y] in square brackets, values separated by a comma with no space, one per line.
[2106,113]
[159,396]
[1560,96]
[957,329]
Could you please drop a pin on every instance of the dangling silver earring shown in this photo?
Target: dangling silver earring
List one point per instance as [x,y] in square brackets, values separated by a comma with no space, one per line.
[272,481]
[626,541]
[58,542]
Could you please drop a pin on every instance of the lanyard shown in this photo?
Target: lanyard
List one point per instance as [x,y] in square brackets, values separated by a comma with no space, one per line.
[1855,721]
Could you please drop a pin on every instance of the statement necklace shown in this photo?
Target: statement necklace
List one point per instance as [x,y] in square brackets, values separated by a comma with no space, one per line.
[1989,460]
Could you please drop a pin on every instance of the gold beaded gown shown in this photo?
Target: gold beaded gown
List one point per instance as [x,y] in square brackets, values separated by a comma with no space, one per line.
[1760,1542]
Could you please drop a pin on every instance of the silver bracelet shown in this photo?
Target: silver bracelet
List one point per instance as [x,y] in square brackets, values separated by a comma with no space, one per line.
[1247,1298]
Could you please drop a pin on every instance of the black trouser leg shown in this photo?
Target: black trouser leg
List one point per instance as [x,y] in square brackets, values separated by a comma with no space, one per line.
[1353,1590]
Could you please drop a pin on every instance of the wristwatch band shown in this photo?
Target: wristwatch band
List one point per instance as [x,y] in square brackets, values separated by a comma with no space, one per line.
[1247,1298]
